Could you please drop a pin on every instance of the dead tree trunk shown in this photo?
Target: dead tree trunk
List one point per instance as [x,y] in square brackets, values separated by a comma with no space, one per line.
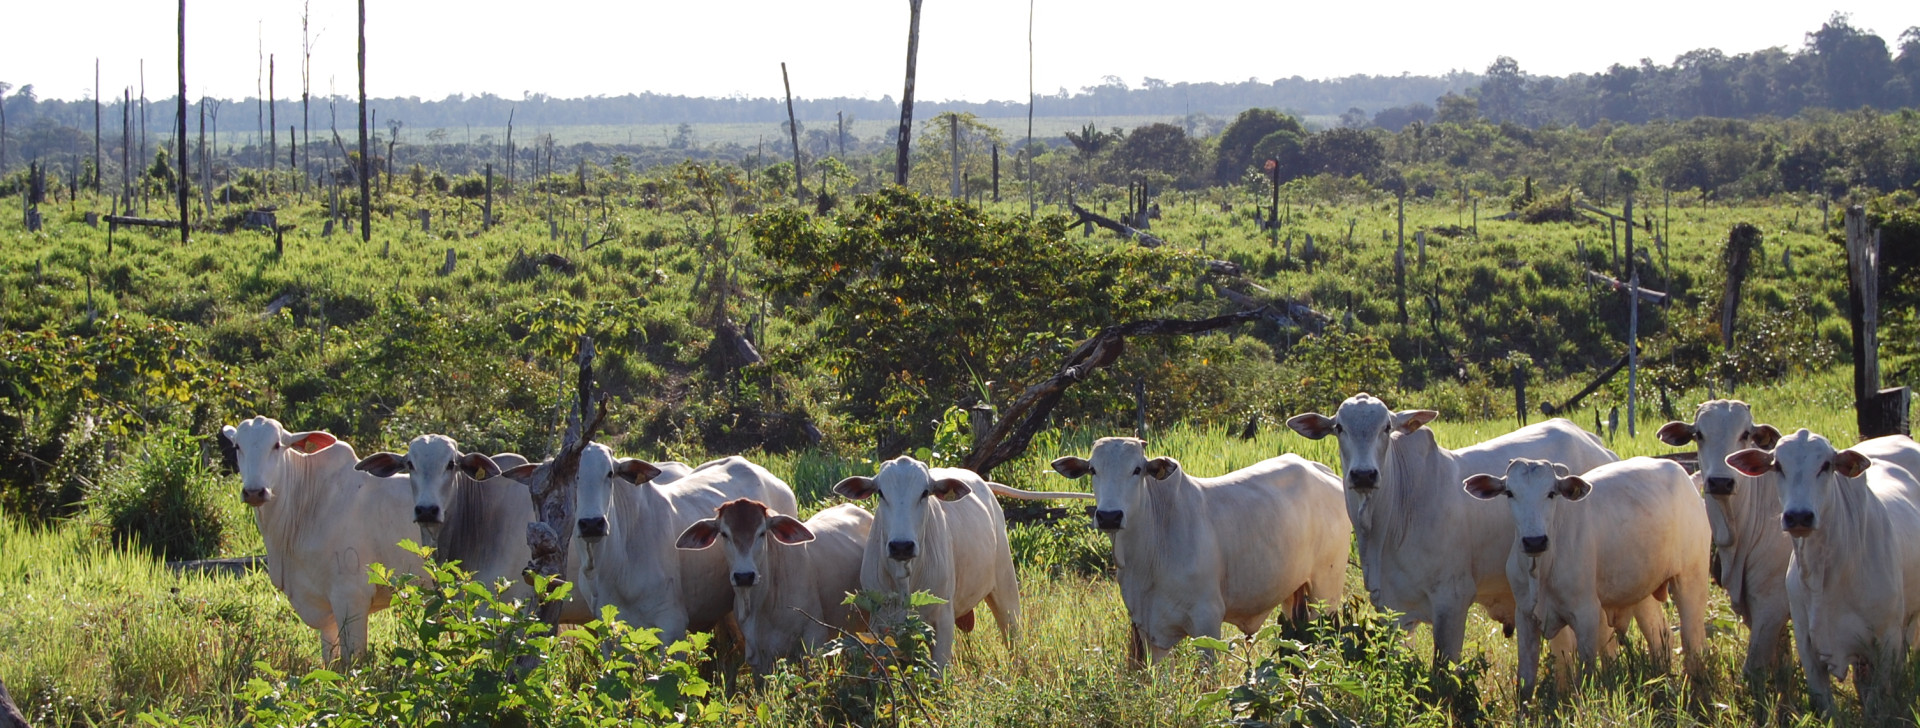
[1738,257]
[953,150]
[10,716]
[1028,414]
[551,484]
[181,132]
[906,97]
[366,193]
[1878,412]
[96,125]
[793,133]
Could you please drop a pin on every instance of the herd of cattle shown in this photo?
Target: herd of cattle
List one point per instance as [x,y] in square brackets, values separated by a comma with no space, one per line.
[1793,529]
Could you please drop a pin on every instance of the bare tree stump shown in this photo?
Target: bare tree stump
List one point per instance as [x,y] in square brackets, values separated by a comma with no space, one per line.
[447,269]
[10,716]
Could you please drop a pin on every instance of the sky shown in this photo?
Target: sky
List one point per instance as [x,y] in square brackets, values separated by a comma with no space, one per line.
[975,50]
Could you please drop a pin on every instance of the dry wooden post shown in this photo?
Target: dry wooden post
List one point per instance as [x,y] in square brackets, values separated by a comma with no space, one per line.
[96,124]
[551,484]
[126,148]
[901,161]
[1421,239]
[793,132]
[273,127]
[182,130]
[447,268]
[1742,240]
[996,172]
[1476,219]
[1400,256]
[426,219]
[486,209]
[1878,412]
[366,188]
[1633,324]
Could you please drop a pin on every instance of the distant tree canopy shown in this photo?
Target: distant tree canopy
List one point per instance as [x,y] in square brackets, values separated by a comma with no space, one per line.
[1236,151]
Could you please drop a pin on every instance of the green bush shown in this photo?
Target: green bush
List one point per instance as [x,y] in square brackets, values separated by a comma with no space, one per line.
[164,500]
[466,657]
[1067,546]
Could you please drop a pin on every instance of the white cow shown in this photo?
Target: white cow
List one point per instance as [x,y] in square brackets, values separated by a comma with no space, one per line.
[468,515]
[323,523]
[1196,552]
[627,522]
[1628,531]
[1745,514]
[1412,522]
[938,530]
[790,579]
[1853,583]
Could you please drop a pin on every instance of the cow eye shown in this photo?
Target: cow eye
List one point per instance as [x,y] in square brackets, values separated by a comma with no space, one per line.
[1337,429]
[925,493]
[1136,470]
[1824,467]
[1091,471]
[276,446]
[449,466]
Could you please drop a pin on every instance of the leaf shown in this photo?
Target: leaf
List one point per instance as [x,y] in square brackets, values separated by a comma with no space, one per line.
[1211,643]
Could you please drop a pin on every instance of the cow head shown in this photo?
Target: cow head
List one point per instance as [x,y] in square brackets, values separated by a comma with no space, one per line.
[1121,473]
[1808,466]
[430,464]
[1531,488]
[749,527]
[1363,427]
[1721,427]
[906,490]
[599,473]
[262,450]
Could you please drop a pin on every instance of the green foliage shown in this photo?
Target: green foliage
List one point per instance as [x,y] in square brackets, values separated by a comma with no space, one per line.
[1235,152]
[887,675]
[1349,669]
[922,296]
[467,657]
[1069,546]
[1326,368]
[163,500]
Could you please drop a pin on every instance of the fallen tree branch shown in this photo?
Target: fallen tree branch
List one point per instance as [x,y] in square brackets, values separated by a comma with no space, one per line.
[1028,413]
[1130,232]
[1549,409]
[1646,294]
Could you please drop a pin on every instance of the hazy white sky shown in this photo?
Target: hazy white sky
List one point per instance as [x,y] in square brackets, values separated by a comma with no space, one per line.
[975,50]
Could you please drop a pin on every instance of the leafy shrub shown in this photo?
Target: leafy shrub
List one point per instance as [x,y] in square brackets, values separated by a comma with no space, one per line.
[1324,369]
[466,657]
[1065,546]
[165,500]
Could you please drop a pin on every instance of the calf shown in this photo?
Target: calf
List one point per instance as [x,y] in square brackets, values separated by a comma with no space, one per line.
[1196,552]
[790,579]
[1853,582]
[627,523]
[938,530]
[323,523]
[1412,523]
[1627,531]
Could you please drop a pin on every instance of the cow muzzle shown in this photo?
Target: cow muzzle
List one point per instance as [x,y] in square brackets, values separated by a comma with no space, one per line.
[1797,523]
[1108,520]
[1364,479]
[745,578]
[595,527]
[1533,545]
[426,514]
[255,497]
[902,550]
[1720,486]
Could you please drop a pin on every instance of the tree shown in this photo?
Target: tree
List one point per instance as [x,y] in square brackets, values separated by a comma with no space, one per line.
[366,197]
[1354,117]
[906,98]
[1235,153]
[1158,147]
[1345,152]
[936,303]
[1287,149]
[1398,117]
[1457,109]
[1853,63]
[1501,92]
[4,86]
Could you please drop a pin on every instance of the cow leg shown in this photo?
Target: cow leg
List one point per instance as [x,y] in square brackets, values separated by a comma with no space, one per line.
[1136,647]
[1005,602]
[1449,629]
[329,640]
[941,617]
[1526,632]
[1652,619]
[1588,620]
[1766,626]
[1819,684]
[1690,599]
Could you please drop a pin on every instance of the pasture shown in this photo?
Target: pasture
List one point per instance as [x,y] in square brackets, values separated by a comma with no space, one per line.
[373,342]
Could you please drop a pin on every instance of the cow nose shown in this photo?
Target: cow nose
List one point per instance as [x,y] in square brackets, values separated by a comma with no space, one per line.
[1533,544]
[426,514]
[745,578]
[900,550]
[1797,523]
[253,496]
[1719,486]
[594,527]
[1364,479]
[1108,520]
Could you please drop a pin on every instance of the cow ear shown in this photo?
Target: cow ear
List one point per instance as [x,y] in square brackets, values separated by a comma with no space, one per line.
[857,487]
[229,454]
[520,473]
[1752,462]
[1677,434]
[1072,467]
[1572,487]
[1410,420]
[949,489]
[310,442]
[635,470]
[699,535]
[382,464]
[1162,468]
[1486,487]
[788,530]
[1850,463]
[1764,436]
[478,466]
[1311,425]
[1561,471]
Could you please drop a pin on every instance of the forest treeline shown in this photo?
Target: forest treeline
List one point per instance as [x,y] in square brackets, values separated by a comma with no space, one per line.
[1840,66]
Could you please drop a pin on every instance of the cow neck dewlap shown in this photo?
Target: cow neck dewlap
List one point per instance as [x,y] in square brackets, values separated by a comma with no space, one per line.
[1753,528]
[1851,529]
[1165,503]
[308,483]
[465,533]
[1407,487]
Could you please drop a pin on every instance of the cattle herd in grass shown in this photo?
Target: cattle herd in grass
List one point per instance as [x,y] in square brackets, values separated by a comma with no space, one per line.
[1585,544]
